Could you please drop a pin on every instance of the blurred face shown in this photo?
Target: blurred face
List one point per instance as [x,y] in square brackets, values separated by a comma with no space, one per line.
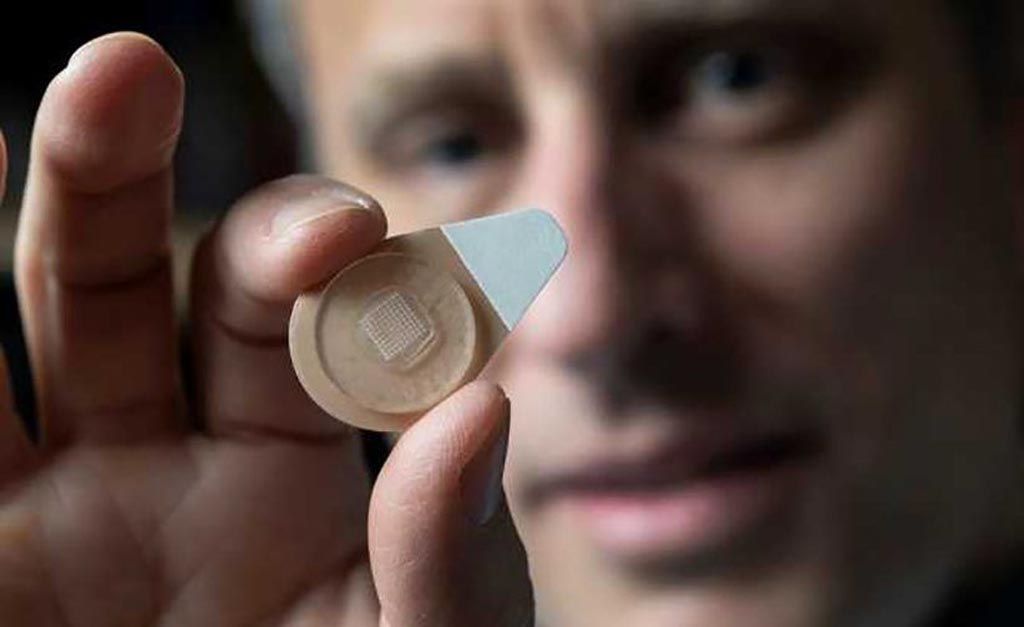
[775,382]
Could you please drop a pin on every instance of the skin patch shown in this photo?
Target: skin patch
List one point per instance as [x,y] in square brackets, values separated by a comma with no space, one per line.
[399,330]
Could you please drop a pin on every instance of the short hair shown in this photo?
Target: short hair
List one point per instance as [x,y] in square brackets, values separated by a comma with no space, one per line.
[993,29]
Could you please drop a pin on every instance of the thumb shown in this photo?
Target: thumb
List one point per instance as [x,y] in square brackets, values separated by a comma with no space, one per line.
[443,548]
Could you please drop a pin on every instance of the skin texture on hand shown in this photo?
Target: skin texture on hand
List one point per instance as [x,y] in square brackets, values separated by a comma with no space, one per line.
[127,515]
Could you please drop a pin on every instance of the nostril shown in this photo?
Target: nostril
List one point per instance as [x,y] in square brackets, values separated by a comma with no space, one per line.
[660,361]
[685,368]
[661,333]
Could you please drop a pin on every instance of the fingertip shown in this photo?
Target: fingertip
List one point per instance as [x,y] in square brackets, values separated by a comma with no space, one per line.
[97,45]
[476,398]
[309,197]
[113,114]
[464,407]
[456,429]
[291,235]
[315,252]
[432,509]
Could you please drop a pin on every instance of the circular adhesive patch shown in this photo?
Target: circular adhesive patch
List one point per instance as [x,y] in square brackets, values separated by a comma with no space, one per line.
[394,333]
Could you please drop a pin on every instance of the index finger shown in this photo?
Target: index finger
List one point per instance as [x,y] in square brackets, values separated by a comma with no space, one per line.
[92,257]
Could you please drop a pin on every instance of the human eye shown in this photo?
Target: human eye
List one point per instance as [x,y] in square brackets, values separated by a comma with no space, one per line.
[444,145]
[444,142]
[454,148]
[737,76]
[742,88]
[742,91]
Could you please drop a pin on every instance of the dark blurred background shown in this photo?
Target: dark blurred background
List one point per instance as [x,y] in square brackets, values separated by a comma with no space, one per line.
[236,134]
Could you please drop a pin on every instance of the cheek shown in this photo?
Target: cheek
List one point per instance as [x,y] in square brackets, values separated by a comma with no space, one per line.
[870,242]
[824,231]
[791,221]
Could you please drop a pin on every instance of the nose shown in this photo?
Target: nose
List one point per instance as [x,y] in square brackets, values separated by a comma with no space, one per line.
[564,171]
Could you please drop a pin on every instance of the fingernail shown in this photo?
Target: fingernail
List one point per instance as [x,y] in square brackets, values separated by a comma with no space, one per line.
[316,206]
[482,477]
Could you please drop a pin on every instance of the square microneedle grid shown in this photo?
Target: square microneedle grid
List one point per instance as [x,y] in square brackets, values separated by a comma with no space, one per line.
[396,327]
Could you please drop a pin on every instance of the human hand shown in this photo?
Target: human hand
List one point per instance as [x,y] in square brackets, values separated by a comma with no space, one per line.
[244,504]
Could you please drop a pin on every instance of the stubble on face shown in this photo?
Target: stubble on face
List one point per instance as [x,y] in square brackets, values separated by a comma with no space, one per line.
[847,285]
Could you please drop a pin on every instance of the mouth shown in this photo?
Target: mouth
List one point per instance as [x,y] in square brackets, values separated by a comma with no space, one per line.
[762,456]
[685,498]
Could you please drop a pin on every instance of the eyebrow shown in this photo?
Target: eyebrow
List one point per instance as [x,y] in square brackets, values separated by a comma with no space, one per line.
[395,89]
[646,27]
[393,92]
[630,21]
[719,10]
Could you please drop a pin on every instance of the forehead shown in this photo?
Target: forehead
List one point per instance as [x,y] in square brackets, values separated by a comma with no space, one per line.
[395,28]
[408,28]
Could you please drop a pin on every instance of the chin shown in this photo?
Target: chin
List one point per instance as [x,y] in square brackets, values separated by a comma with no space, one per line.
[762,564]
[782,594]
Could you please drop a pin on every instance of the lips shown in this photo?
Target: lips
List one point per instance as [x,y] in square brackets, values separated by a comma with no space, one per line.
[687,496]
[762,455]
[686,462]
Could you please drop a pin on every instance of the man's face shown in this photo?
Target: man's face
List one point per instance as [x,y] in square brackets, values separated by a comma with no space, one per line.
[775,382]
